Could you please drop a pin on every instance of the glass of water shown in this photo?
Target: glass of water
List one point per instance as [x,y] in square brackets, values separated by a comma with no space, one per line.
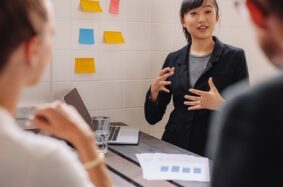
[101,125]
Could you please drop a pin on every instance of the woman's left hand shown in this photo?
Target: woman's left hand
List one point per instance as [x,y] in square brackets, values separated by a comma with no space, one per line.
[210,100]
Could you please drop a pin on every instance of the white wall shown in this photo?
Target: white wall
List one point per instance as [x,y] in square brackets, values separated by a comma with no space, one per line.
[151,29]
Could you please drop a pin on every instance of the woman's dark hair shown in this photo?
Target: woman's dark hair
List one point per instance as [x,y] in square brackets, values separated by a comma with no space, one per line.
[188,5]
[17,25]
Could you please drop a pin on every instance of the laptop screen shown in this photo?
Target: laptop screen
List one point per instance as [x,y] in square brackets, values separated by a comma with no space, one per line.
[73,98]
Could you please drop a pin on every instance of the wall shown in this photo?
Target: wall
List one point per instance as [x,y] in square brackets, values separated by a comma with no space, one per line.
[151,29]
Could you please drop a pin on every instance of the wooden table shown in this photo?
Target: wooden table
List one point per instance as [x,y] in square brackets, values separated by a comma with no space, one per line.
[126,171]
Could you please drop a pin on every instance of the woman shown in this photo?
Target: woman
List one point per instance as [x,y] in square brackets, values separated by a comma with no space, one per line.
[26,159]
[195,77]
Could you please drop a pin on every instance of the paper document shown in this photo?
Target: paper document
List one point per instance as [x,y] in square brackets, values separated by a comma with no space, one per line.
[159,166]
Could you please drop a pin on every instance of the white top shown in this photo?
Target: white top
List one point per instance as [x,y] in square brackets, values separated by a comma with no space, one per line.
[30,160]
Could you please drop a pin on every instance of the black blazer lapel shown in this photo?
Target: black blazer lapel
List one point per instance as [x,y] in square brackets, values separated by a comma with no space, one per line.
[182,68]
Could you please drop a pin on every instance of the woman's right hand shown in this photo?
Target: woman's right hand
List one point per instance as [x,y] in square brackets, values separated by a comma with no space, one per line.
[63,121]
[160,82]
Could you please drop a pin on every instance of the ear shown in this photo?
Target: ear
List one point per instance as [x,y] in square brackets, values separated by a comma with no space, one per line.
[182,21]
[31,51]
[217,17]
[274,28]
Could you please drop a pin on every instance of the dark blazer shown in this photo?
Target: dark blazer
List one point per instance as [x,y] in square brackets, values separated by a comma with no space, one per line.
[249,150]
[188,129]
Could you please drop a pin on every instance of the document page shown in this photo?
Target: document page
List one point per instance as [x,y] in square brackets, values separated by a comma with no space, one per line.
[159,166]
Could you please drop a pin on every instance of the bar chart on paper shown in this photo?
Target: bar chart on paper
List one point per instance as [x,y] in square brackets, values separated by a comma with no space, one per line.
[158,166]
[180,169]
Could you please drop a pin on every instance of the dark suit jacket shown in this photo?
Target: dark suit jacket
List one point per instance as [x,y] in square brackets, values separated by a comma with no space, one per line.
[188,129]
[249,150]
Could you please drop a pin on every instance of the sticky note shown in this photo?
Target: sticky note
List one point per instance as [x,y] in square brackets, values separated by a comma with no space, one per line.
[86,36]
[85,65]
[114,6]
[113,37]
[90,5]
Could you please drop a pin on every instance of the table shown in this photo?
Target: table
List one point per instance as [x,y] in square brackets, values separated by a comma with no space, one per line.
[126,171]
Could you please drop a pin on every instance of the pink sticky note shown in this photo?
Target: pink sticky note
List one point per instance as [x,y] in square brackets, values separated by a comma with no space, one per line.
[114,6]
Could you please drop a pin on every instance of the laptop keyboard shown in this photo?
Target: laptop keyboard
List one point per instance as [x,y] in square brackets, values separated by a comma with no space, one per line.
[113,133]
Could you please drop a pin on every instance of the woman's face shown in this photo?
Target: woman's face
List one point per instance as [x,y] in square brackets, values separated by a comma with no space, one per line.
[44,47]
[200,22]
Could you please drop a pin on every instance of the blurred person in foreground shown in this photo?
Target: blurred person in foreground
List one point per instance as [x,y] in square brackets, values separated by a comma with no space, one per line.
[26,159]
[246,139]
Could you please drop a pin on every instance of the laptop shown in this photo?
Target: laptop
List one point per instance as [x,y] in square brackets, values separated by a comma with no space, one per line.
[117,135]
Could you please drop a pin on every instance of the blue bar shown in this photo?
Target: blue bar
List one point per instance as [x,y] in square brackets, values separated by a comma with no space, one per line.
[164,168]
[175,169]
[186,170]
[197,170]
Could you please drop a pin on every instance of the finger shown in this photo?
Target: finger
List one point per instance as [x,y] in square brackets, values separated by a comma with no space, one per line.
[63,108]
[50,114]
[41,123]
[165,83]
[44,112]
[165,70]
[211,84]
[197,107]
[165,76]
[165,90]
[52,105]
[197,92]
[192,103]
[44,106]
[192,98]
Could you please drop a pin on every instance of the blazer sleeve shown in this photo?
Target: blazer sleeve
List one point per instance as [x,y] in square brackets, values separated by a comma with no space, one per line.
[241,70]
[154,111]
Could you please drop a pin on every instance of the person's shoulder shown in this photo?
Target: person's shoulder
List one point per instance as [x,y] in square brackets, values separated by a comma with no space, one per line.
[228,49]
[267,93]
[246,108]
[179,52]
[173,57]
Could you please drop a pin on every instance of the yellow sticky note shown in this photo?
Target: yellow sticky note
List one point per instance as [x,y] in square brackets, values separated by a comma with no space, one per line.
[90,6]
[85,65]
[113,37]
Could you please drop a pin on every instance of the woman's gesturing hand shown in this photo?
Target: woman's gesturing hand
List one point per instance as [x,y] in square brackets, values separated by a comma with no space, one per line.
[210,100]
[160,82]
